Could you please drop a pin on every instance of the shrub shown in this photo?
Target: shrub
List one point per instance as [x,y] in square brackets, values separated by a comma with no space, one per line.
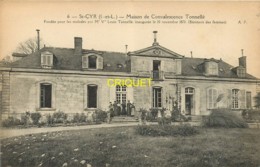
[164,121]
[100,116]
[78,118]
[50,120]
[251,115]
[59,117]
[167,130]
[36,117]
[257,100]
[11,121]
[154,113]
[25,118]
[224,118]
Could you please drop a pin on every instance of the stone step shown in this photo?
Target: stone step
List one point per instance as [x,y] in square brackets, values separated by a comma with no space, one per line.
[196,118]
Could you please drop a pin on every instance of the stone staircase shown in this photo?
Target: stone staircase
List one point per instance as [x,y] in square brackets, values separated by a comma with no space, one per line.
[124,119]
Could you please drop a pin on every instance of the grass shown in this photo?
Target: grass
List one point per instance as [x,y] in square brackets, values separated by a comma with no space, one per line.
[122,147]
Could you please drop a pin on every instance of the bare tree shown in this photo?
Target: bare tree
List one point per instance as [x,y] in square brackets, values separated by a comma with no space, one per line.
[28,47]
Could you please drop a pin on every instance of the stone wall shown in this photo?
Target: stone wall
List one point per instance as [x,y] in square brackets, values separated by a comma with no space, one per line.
[69,92]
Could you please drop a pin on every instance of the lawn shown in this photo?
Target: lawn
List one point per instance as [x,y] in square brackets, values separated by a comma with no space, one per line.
[122,147]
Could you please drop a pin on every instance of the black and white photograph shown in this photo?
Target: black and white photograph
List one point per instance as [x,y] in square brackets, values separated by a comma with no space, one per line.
[129,84]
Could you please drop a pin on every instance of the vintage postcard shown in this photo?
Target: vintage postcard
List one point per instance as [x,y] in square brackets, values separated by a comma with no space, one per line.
[120,84]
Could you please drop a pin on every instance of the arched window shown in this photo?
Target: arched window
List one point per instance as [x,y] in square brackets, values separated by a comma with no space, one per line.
[92,61]
[189,100]
[189,90]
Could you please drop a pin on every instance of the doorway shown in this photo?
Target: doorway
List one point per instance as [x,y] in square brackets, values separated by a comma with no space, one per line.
[189,101]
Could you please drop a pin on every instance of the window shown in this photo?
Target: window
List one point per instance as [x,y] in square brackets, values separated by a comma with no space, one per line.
[248,100]
[92,96]
[92,61]
[213,70]
[45,95]
[189,90]
[121,94]
[157,97]
[235,104]
[189,100]
[156,65]
[46,60]
[212,98]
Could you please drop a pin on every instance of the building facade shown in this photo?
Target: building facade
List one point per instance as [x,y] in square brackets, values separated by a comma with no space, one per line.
[75,80]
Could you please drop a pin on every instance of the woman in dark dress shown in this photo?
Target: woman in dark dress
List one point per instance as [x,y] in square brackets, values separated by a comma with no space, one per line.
[115,108]
[123,108]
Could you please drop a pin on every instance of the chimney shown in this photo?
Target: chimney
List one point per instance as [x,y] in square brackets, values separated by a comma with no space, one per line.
[77,45]
[155,38]
[242,60]
[126,49]
[38,39]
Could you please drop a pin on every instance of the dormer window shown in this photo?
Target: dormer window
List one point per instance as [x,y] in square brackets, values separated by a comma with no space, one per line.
[241,72]
[211,68]
[46,60]
[92,61]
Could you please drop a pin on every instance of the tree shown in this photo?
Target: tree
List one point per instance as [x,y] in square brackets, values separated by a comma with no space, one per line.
[29,46]
[257,100]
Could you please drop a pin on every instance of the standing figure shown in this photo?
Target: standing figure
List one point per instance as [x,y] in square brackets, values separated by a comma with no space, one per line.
[115,108]
[111,109]
[128,108]
[133,111]
[119,108]
[123,108]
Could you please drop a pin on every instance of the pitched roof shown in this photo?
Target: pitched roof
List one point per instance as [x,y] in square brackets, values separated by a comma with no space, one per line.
[194,67]
[65,59]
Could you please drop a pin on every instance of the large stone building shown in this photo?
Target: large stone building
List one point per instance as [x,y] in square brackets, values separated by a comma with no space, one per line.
[75,80]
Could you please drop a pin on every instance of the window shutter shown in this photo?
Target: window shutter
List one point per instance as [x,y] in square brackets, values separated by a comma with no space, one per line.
[84,62]
[51,60]
[215,95]
[242,99]
[229,99]
[43,57]
[99,62]
[209,98]
[48,60]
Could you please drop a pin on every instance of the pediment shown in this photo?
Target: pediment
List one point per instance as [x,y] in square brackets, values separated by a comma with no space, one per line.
[156,51]
[46,53]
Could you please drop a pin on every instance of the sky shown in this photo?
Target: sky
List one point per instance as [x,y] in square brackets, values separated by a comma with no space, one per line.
[19,21]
